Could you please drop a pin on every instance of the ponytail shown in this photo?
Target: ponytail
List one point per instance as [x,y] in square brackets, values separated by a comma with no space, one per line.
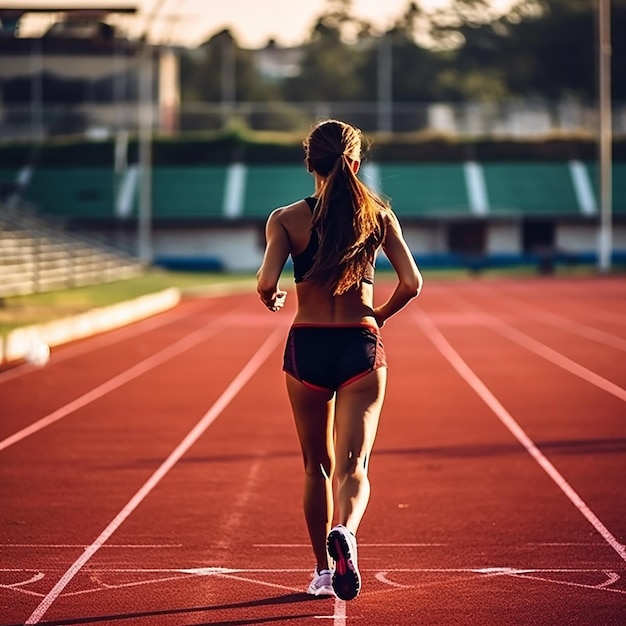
[348,219]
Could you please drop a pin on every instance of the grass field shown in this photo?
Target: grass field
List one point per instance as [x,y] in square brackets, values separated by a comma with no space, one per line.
[38,308]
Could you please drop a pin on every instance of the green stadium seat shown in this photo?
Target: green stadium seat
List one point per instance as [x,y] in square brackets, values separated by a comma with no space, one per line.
[86,192]
[430,190]
[8,181]
[618,175]
[271,186]
[188,192]
[8,175]
[425,189]
[539,188]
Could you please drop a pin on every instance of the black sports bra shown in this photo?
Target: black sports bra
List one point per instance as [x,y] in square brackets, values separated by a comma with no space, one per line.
[303,262]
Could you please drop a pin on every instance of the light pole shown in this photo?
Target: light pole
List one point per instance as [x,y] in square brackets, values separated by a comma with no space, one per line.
[146,117]
[144,222]
[605,132]
[228,77]
[385,84]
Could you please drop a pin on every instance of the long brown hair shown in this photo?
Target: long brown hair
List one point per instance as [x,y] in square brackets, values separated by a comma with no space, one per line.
[348,218]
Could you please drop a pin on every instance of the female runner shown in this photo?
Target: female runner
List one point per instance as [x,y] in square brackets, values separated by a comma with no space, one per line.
[334,358]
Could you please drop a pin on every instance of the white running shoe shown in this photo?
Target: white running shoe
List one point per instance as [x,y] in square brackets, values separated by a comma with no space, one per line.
[341,545]
[321,585]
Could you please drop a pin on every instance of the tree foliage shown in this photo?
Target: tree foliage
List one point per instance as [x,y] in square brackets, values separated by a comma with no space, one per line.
[539,49]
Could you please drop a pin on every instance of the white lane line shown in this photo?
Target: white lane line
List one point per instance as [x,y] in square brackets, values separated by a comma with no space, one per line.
[568,583]
[339,616]
[194,434]
[611,577]
[33,579]
[361,545]
[238,510]
[73,546]
[107,338]
[254,581]
[558,359]
[221,571]
[135,371]
[560,322]
[583,305]
[382,577]
[453,357]
[97,576]
[549,354]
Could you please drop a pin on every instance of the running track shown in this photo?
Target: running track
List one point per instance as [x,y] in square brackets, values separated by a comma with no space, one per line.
[151,475]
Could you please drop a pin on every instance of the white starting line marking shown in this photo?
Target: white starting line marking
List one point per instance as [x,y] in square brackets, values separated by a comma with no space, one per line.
[361,545]
[384,577]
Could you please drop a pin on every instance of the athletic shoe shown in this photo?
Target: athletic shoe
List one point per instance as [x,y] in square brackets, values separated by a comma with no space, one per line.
[341,545]
[321,585]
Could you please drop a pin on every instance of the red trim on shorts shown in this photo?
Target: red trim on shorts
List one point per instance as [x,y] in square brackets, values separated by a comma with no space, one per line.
[372,327]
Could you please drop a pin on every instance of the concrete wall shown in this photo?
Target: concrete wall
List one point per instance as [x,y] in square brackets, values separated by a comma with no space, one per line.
[504,238]
[584,238]
[240,248]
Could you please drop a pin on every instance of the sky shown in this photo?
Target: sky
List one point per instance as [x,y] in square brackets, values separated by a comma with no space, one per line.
[252,22]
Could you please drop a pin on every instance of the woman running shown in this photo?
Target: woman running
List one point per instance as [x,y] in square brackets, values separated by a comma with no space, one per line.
[334,358]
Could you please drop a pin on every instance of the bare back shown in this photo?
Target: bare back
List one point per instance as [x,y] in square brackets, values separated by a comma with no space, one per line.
[316,305]
[288,231]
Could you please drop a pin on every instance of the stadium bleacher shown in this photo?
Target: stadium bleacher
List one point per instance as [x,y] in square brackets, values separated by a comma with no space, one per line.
[36,256]
[531,188]
[619,184]
[425,189]
[420,190]
[483,210]
[271,186]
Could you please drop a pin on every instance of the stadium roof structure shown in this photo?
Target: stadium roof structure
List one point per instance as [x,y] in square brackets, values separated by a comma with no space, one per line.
[12,12]
[11,16]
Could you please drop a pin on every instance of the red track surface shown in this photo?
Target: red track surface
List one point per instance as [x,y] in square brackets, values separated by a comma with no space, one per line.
[152,475]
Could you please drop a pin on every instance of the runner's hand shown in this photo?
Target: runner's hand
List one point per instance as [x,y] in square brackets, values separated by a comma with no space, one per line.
[276,301]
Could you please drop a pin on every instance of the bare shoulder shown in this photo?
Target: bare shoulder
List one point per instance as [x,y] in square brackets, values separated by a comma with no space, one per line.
[291,214]
[289,210]
[391,221]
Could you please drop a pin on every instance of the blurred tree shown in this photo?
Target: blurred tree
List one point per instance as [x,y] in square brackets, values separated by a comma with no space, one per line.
[331,67]
[221,71]
[541,48]
[466,51]
[415,68]
[561,38]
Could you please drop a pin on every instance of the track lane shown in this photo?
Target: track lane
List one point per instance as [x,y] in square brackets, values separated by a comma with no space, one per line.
[454,494]
[110,440]
[76,369]
[587,346]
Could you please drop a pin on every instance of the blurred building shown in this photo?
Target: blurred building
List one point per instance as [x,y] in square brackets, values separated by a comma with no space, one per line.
[276,63]
[82,76]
